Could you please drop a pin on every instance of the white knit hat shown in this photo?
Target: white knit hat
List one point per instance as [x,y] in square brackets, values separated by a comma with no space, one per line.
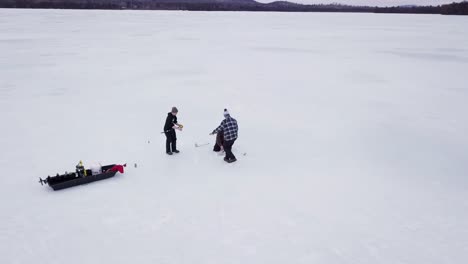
[226,112]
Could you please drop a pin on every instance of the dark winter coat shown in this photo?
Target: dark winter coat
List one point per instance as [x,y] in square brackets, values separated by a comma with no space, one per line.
[171,120]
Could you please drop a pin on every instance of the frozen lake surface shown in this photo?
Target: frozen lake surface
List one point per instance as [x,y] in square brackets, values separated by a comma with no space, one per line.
[354,127]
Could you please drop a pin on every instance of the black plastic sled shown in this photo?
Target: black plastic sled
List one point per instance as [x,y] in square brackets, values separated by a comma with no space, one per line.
[81,176]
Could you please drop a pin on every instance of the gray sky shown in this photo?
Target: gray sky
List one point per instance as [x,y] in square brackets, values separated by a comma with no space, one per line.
[372,2]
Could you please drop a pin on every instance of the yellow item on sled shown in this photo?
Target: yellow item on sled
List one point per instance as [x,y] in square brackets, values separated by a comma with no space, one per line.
[84,170]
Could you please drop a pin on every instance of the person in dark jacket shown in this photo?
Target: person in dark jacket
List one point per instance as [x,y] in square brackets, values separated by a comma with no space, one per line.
[169,129]
[230,129]
[218,147]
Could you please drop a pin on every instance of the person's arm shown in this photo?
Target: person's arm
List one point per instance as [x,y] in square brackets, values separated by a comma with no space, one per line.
[218,129]
[176,125]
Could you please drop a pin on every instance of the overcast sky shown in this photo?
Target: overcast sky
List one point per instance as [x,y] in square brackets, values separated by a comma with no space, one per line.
[372,2]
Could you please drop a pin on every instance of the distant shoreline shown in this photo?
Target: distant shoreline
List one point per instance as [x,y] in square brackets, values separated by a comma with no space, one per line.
[230,5]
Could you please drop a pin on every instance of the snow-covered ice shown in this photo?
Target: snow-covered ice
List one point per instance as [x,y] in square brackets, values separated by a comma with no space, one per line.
[355,128]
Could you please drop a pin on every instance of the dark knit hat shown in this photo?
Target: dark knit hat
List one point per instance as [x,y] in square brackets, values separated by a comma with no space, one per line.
[174,110]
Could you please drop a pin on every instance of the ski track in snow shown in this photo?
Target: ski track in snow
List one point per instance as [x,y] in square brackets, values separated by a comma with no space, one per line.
[355,127]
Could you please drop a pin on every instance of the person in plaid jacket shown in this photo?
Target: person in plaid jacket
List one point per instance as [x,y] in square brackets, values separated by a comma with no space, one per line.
[230,130]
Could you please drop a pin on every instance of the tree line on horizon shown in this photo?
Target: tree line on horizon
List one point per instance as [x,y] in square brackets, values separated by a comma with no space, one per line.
[231,5]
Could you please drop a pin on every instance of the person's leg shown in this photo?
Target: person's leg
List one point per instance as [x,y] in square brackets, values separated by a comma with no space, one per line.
[168,142]
[174,140]
[230,149]
[227,149]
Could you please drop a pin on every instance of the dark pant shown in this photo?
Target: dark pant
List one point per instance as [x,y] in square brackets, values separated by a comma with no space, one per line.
[219,142]
[171,140]
[228,149]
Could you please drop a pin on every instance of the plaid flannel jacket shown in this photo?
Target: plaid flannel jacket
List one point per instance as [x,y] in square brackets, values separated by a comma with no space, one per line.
[229,128]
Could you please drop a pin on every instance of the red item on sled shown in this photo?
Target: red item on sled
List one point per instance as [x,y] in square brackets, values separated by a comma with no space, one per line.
[119,168]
